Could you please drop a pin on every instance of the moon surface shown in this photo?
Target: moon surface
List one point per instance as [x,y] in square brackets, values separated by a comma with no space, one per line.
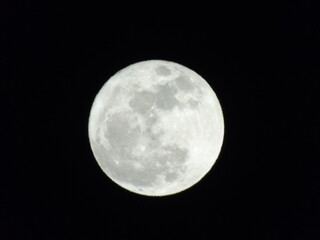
[156,128]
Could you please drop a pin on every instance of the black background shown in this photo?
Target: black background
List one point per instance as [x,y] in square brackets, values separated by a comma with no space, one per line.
[261,60]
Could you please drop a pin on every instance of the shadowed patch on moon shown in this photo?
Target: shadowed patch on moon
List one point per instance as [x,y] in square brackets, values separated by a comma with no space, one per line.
[193,104]
[168,164]
[120,135]
[184,83]
[121,163]
[164,98]
[175,160]
[142,101]
[163,71]
[141,169]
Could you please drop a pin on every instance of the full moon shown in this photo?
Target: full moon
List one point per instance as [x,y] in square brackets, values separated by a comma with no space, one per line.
[156,128]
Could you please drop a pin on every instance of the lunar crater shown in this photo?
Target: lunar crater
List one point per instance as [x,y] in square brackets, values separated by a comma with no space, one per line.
[184,83]
[163,71]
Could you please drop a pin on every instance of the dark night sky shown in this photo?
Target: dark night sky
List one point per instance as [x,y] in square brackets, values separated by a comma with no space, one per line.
[263,63]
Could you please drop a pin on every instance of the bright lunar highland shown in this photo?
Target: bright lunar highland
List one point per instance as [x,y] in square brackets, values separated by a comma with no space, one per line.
[156,128]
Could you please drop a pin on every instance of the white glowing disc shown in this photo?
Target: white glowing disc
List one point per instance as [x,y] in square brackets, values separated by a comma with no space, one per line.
[156,128]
